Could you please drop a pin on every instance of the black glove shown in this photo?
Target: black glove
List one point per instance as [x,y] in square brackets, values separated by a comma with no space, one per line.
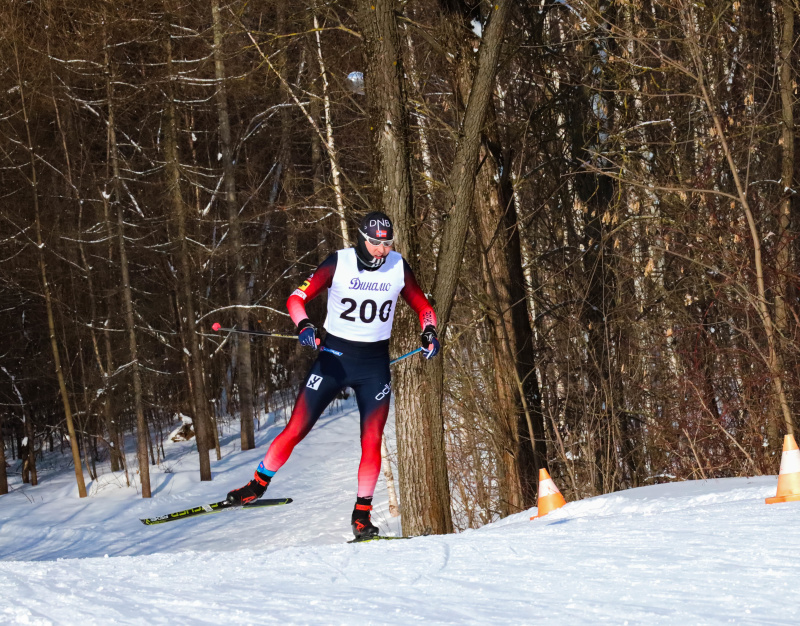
[307,334]
[430,342]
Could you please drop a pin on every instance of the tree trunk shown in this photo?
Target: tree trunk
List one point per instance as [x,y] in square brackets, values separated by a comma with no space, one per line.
[73,441]
[388,119]
[424,487]
[203,436]
[424,482]
[130,328]
[506,404]
[30,461]
[76,457]
[331,148]
[90,440]
[389,130]
[422,120]
[112,419]
[3,472]
[118,460]
[394,506]
[127,297]
[243,360]
[462,175]
[784,260]
[595,192]
[461,193]
[518,401]
[108,419]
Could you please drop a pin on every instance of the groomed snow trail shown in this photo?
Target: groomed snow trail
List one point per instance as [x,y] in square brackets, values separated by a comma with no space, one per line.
[700,552]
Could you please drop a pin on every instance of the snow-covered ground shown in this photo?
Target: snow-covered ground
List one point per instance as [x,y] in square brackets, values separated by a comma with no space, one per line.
[696,552]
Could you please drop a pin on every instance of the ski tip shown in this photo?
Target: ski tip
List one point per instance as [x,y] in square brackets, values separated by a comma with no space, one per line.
[216,326]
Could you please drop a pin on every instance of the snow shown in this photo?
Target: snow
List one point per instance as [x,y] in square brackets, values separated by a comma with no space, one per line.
[700,552]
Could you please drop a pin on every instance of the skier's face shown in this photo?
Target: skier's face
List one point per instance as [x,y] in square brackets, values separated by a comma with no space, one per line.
[378,252]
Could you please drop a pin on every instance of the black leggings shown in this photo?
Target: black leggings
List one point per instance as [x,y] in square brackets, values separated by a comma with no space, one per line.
[334,370]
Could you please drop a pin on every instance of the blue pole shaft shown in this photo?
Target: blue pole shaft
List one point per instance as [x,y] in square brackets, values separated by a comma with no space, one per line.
[392,362]
[405,356]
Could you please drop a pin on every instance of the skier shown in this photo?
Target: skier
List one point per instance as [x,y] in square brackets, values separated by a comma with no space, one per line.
[363,284]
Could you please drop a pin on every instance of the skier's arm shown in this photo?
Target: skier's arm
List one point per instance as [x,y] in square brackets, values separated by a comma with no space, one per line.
[310,289]
[427,317]
[413,294]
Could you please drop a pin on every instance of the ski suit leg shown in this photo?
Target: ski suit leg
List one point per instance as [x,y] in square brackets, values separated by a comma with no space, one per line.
[324,381]
[373,394]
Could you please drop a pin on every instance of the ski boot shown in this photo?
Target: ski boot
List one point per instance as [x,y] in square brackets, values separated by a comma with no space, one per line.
[251,492]
[363,528]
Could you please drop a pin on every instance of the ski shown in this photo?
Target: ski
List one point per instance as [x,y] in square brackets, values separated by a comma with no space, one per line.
[426,533]
[215,507]
[376,538]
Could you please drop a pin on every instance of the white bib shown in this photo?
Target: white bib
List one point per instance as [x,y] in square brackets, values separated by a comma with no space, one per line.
[361,304]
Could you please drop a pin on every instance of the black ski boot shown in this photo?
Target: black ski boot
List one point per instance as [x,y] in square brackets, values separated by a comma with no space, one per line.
[251,492]
[363,528]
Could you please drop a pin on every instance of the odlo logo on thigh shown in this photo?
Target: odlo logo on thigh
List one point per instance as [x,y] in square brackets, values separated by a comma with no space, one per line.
[384,392]
[313,382]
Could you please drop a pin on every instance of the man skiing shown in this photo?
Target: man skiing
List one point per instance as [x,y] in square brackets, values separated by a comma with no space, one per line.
[363,284]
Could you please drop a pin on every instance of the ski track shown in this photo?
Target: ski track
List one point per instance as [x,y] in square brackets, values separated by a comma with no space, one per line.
[698,552]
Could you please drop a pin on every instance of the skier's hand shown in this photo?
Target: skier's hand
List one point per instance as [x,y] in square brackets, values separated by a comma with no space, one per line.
[430,342]
[307,334]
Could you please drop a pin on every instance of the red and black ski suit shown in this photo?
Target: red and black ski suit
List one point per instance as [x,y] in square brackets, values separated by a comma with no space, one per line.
[355,353]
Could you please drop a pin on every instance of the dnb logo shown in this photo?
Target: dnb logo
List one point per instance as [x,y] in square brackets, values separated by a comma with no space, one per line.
[381,227]
[387,389]
[313,382]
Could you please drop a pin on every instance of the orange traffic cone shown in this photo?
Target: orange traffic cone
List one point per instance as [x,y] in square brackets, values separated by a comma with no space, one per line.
[789,478]
[550,497]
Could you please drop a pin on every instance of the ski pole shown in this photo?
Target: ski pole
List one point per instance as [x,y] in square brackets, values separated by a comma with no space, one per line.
[392,362]
[218,328]
[405,356]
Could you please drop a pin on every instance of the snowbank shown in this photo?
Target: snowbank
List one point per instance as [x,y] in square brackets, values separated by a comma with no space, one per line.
[694,552]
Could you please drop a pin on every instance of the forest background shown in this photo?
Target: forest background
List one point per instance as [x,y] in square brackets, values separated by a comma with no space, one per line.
[599,195]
